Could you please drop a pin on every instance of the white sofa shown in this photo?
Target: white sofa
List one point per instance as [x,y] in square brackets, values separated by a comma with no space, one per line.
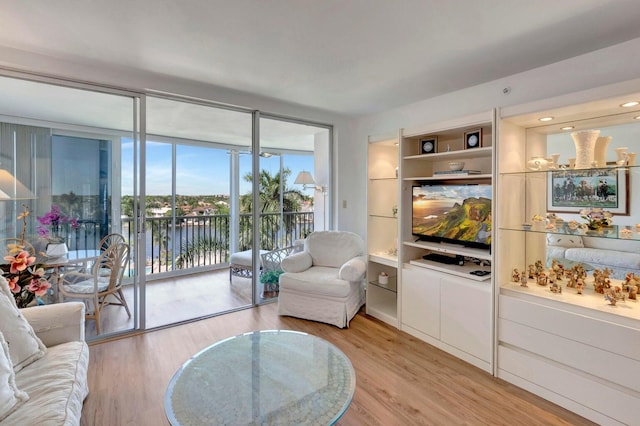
[619,255]
[324,282]
[50,385]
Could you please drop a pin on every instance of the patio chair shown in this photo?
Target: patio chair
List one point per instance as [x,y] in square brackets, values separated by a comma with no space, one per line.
[95,289]
[271,269]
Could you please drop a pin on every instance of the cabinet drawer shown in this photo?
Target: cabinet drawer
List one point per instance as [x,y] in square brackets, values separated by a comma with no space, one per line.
[605,335]
[587,358]
[609,402]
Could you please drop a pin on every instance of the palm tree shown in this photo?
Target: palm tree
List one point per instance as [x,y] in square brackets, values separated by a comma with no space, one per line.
[270,187]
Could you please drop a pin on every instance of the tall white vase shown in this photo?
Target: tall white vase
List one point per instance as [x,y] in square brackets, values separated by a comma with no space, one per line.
[600,153]
[585,147]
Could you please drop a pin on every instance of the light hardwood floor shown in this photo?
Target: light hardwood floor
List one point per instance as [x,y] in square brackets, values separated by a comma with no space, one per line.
[400,380]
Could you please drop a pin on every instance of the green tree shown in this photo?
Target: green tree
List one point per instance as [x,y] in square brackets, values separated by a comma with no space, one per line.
[269,187]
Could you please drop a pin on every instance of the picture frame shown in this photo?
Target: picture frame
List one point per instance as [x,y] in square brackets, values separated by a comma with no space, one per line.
[570,191]
[473,139]
[429,145]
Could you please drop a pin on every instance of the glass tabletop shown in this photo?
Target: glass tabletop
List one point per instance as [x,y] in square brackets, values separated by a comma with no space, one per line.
[263,377]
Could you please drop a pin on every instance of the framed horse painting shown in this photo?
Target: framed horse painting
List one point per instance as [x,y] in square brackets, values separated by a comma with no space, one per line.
[572,190]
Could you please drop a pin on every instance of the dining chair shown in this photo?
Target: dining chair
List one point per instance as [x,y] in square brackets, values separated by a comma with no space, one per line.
[94,288]
[109,240]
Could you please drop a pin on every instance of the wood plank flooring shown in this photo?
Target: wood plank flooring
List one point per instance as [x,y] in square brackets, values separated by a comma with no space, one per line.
[400,380]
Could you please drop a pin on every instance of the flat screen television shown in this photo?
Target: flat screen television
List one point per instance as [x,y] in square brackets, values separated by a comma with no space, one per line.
[453,213]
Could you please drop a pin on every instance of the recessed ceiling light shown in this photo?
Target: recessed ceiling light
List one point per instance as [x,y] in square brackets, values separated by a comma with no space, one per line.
[629,104]
[567,128]
[545,118]
[636,118]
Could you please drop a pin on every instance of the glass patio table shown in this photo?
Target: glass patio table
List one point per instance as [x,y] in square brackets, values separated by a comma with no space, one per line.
[262,377]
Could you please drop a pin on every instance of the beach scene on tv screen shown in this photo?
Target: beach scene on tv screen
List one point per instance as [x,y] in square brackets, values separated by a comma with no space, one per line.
[453,212]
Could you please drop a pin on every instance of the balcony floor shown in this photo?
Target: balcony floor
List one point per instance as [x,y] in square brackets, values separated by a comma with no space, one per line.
[179,299]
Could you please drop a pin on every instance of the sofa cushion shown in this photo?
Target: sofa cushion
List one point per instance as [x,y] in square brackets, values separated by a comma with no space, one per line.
[616,259]
[317,280]
[10,396]
[333,248]
[57,386]
[24,345]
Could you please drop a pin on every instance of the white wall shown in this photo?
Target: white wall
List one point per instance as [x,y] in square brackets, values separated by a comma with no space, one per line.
[612,71]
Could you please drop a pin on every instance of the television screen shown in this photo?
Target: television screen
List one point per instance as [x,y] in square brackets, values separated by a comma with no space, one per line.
[453,213]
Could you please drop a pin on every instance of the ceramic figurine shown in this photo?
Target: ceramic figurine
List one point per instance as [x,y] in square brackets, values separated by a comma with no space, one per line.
[555,288]
[541,279]
[579,287]
[532,272]
[552,276]
[515,277]
[523,280]
[539,267]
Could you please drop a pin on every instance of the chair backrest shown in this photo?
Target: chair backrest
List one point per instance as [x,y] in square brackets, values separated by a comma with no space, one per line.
[109,240]
[333,248]
[272,259]
[114,259]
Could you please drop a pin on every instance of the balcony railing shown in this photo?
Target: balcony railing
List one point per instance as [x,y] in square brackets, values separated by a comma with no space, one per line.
[203,241]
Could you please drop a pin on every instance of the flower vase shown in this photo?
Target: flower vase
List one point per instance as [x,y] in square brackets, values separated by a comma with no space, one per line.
[585,143]
[600,154]
[621,155]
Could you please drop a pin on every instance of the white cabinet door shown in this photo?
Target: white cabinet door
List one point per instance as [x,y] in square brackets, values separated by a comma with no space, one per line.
[421,300]
[466,316]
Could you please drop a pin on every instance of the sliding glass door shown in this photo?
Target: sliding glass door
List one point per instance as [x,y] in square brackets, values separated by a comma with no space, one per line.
[294,192]
[65,146]
[198,164]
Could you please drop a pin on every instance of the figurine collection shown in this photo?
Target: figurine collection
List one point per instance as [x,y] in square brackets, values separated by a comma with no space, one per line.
[576,277]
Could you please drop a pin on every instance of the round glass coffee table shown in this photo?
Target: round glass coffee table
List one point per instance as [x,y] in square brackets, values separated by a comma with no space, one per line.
[262,377]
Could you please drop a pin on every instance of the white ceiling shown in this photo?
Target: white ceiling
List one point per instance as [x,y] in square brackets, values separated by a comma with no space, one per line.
[348,56]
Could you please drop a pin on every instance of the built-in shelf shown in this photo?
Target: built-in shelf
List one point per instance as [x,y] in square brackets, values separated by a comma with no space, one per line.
[384,259]
[459,270]
[570,171]
[392,178]
[449,177]
[569,299]
[453,155]
[477,253]
[384,216]
[391,285]
[614,232]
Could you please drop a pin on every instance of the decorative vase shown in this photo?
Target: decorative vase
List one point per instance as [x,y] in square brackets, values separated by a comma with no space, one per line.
[554,161]
[631,158]
[585,143]
[572,163]
[600,154]
[621,155]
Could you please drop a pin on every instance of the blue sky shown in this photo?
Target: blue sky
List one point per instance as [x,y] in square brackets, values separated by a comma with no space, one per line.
[200,170]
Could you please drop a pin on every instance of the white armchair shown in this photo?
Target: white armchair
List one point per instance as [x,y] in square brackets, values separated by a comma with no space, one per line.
[324,282]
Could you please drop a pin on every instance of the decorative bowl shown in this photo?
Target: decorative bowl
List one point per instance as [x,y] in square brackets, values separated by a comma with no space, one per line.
[456,165]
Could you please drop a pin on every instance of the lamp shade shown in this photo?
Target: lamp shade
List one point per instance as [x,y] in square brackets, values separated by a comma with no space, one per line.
[12,189]
[304,178]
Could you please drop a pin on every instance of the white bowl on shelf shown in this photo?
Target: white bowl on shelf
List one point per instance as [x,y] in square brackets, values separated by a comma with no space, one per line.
[456,165]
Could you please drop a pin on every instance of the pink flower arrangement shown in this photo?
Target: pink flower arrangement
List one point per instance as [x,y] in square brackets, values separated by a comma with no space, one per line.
[51,221]
[26,278]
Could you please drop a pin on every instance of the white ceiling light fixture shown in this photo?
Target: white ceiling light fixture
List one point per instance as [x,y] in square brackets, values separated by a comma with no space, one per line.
[544,119]
[567,128]
[629,104]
